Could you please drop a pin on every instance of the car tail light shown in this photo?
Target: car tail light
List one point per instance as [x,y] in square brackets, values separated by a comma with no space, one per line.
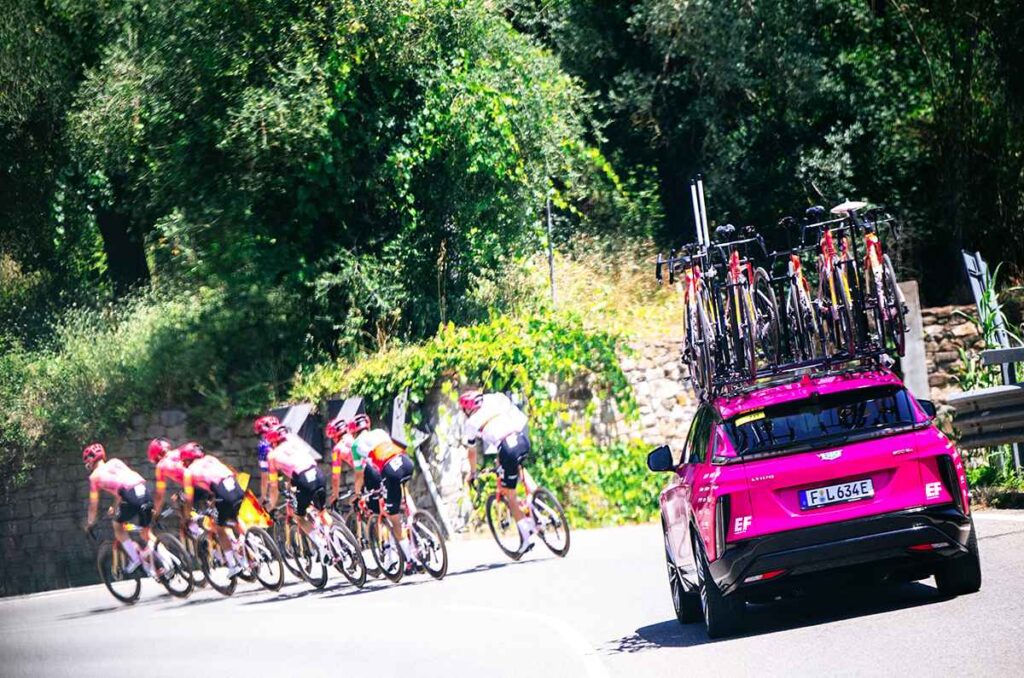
[927,547]
[764,576]
[721,523]
[949,478]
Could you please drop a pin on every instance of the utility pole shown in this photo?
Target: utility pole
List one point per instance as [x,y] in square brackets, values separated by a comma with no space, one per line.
[551,252]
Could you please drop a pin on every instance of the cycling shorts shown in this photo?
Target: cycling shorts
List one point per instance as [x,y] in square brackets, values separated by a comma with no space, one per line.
[309,489]
[512,453]
[136,506]
[371,482]
[228,498]
[397,471]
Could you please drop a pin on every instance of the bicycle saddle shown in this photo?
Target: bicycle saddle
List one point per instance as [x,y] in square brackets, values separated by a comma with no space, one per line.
[725,232]
[848,207]
[816,212]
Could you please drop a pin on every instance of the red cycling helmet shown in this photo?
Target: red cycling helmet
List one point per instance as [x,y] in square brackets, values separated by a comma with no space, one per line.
[93,453]
[336,428]
[276,435]
[360,422]
[470,401]
[189,452]
[264,425]
[158,447]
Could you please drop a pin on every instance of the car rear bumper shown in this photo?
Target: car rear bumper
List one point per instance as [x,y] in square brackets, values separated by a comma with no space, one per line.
[812,550]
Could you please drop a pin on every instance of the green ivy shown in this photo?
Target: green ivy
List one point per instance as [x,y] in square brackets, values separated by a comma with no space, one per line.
[537,357]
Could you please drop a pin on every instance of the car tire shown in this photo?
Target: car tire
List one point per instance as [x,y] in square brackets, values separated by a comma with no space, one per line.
[961,575]
[723,615]
[685,602]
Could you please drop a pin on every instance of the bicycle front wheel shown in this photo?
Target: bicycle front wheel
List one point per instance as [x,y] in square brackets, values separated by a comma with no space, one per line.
[265,559]
[766,317]
[386,551]
[214,565]
[347,558]
[503,526]
[282,532]
[177,564]
[428,544]
[551,522]
[308,558]
[360,529]
[123,586]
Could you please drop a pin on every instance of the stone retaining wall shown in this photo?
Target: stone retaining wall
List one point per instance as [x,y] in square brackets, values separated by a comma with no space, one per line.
[42,545]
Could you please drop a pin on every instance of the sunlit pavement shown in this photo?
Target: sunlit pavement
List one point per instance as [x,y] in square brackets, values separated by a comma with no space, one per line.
[602,611]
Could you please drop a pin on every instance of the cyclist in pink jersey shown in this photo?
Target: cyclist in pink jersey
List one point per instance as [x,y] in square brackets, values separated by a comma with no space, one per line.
[341,453]
[290,459]
[168,467]
[133,502]
[206,472]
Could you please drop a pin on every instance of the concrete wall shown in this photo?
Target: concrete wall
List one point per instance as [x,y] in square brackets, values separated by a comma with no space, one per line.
[42,545]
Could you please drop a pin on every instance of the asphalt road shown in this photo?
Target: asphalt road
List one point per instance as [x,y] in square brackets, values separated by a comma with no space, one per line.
[602,611]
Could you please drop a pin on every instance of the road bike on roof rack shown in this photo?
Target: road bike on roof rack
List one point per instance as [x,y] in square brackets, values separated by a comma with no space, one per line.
[799,318]
[700,338]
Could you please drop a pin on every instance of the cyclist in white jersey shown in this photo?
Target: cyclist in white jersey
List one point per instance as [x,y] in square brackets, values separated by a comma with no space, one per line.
[494,423]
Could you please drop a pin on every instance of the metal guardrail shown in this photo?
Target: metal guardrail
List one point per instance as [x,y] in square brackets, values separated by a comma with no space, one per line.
[989,416]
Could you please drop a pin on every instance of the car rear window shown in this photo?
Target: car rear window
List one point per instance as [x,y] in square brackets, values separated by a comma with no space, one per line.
[820,420]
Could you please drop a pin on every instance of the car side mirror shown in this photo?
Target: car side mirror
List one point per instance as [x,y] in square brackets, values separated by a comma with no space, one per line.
[660,459]
[928,407]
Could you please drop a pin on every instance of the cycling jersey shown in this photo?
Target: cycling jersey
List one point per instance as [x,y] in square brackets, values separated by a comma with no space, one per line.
[205,473]
[289,458]
[376,446]
[342,452]
[113,476]
[170,468]
[495,419]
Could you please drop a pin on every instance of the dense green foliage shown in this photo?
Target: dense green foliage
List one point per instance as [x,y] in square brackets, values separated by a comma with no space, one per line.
[562,370]
[919,105]
[199,200]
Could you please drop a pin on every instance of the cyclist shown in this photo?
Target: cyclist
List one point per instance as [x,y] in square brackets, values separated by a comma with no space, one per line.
[341,452]
[493,422]
[133,503]
[388,465]
[168,467]
[207,473]
[261,427]
[295,463]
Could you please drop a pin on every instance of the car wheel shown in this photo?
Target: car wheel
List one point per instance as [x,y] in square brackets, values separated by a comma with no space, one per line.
[962,574]
[723,615]
[686,602]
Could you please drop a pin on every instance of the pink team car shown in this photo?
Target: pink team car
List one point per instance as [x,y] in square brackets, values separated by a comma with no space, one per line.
[790,484]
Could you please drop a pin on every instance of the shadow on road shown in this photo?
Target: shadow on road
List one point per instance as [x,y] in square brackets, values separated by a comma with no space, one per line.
[783,615]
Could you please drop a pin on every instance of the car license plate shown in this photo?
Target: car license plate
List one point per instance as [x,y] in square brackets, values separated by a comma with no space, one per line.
[836,494]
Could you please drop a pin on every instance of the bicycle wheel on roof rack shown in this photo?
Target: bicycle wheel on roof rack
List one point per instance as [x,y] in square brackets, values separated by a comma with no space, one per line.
[702,365]
[744,333]
[845,317]
[895,320]
[766,317]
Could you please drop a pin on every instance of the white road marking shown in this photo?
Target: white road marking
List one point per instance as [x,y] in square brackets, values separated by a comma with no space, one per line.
[573,638]
[999,516]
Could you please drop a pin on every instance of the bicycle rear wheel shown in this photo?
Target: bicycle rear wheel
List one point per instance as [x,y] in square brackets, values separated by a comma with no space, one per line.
[177,579]
[264,558]
[360,529]
[551,522]
[123,586]
[386,551]
[428,544]
[746,353]
[347,558]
